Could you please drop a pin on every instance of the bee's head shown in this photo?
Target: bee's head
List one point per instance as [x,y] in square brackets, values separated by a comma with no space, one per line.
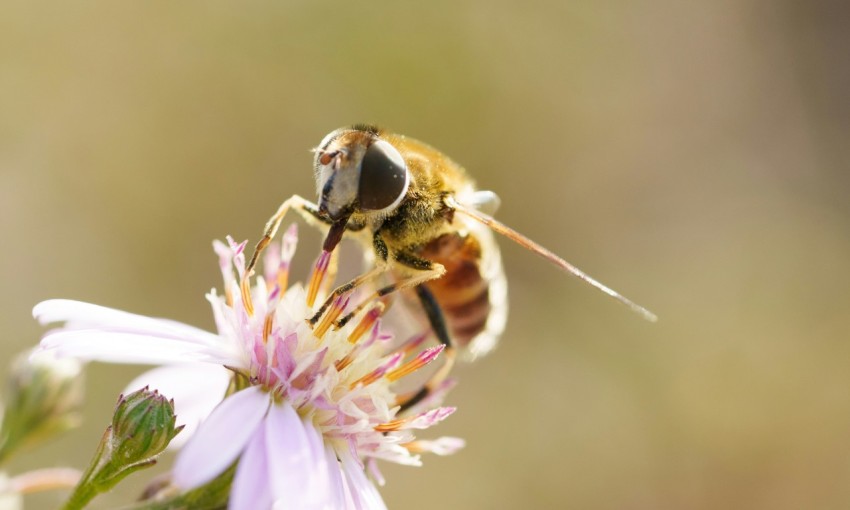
[357,172]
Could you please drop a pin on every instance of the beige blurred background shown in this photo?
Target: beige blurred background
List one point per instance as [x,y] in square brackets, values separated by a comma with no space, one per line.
[692,155]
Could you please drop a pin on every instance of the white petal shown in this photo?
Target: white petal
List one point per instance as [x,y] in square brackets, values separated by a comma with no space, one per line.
[298,474]
[221,439]
[196,389]
[362,491]
[80,314]
[114,347]
[336,483]
[445,445]
[251,489]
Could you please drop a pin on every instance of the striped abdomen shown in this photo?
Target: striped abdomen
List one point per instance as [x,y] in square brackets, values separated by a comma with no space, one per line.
[471,292]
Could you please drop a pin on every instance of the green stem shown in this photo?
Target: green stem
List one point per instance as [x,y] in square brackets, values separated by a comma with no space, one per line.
[85,489]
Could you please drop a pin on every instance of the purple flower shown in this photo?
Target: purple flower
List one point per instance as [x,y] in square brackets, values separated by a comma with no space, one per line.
[320,406]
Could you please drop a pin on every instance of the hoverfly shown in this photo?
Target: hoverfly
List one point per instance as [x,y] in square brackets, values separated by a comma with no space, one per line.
[420,214]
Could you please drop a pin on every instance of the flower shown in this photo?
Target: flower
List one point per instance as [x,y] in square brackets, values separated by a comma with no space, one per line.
[320,406]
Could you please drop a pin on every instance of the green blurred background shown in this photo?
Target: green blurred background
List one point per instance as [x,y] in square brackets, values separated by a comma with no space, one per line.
[693,155]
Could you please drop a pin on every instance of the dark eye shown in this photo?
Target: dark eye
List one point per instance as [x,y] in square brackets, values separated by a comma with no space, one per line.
[383,177]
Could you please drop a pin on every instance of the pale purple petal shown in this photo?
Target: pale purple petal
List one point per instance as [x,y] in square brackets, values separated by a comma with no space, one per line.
[271,263]
[297,472]
[115,347]
[316,443]
[336,483]
[251,489]
[375,473]
[363,493]
[288,244]
[80,315]
[429,418]
[224,255]
[221,438]
[195,388]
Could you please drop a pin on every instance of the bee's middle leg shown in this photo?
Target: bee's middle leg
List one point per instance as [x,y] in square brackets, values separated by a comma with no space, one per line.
[424,270]
[344,288]
[438,324]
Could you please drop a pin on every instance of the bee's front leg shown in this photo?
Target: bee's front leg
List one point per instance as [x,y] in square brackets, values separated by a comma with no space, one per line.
[307,209]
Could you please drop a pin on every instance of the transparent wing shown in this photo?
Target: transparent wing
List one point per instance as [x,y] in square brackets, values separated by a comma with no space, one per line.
[528,244]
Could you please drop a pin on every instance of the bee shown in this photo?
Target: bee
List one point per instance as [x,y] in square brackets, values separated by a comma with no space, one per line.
[420,214]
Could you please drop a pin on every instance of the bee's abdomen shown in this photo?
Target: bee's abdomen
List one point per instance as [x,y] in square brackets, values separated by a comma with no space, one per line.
[462,293]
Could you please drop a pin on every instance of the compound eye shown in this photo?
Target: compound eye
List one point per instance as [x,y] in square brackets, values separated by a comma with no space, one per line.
[383,177]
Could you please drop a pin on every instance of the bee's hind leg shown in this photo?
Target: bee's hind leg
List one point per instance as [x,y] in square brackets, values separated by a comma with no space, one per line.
[435,315]
[425,270]
[438,324]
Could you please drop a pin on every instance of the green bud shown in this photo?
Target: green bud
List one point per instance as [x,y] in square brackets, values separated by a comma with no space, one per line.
[142,426]
[43,398]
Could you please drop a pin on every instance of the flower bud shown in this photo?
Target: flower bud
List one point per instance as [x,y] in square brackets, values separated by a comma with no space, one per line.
[142,426]
[43,398]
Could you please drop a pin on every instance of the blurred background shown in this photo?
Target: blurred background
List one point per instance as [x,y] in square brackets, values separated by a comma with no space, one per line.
[694,156]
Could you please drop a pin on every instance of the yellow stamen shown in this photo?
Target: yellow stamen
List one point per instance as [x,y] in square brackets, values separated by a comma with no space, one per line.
[245,289]
[449,355]
[330,274]
[313,289]
[319,271]
[267,327]
[283,278]
[344,362]
[333,314]
[391,426]
[414,447]
[366,322]
[376,374]
[367,379]
[415,364]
